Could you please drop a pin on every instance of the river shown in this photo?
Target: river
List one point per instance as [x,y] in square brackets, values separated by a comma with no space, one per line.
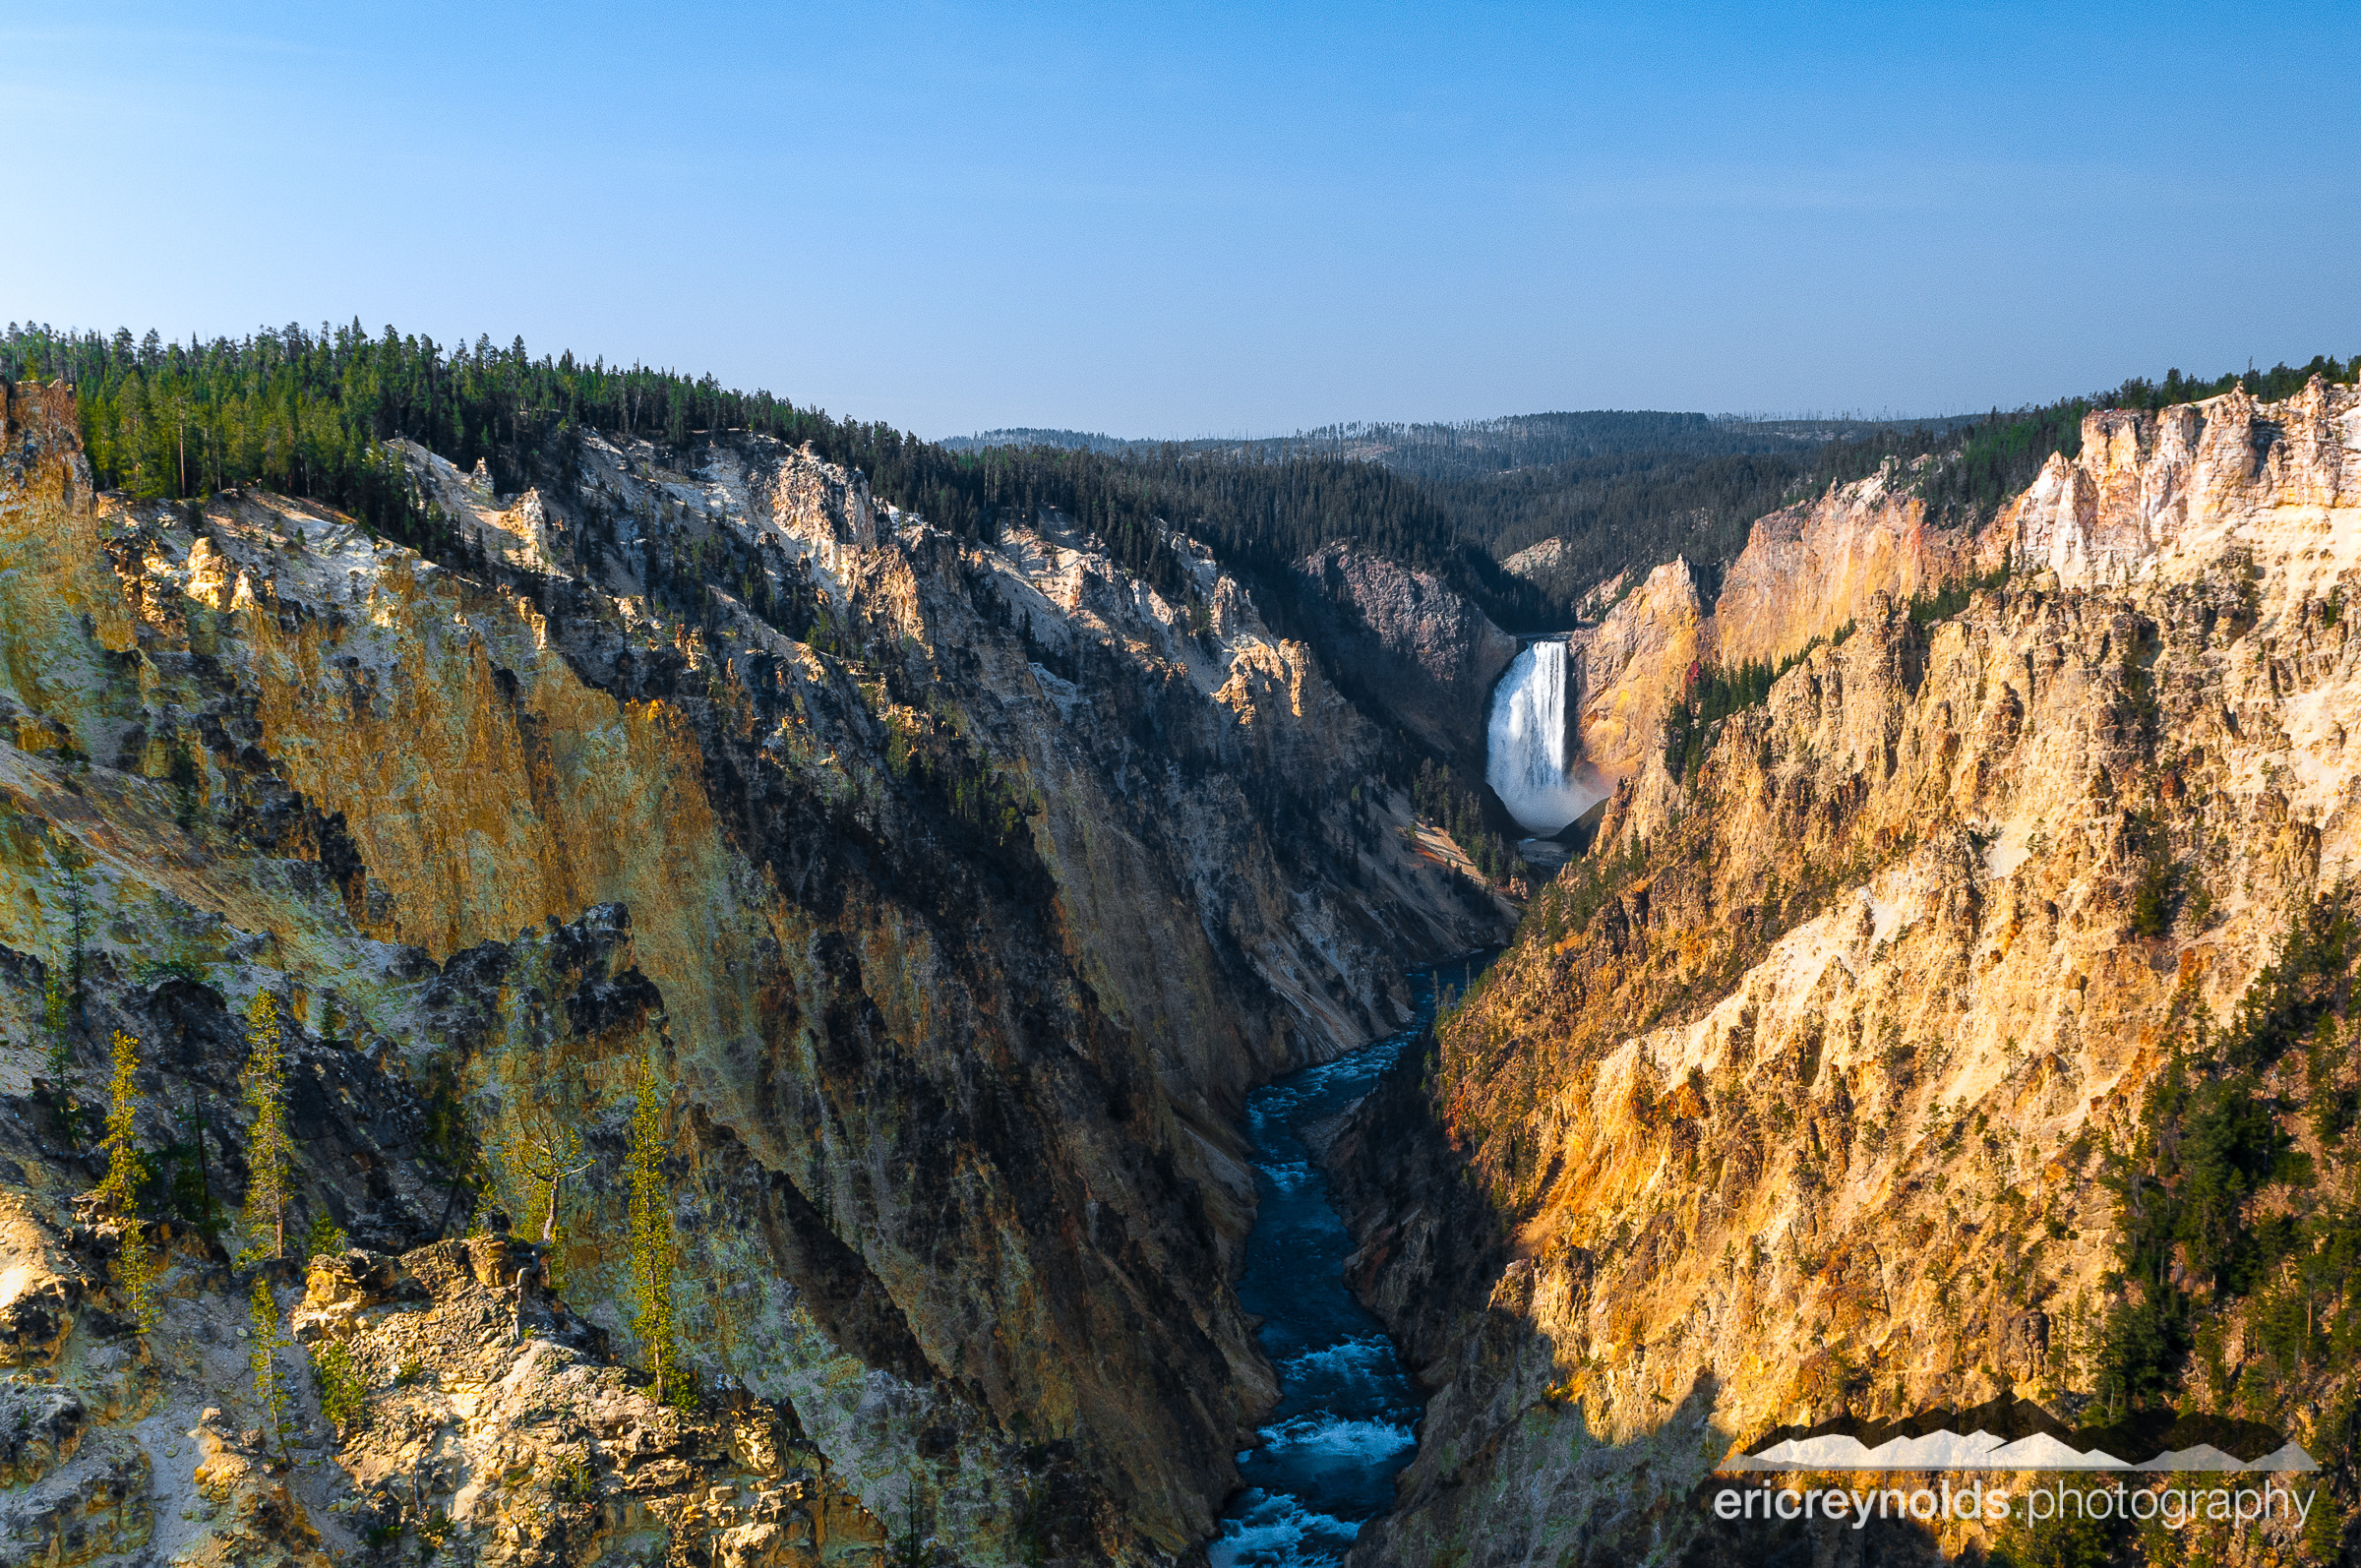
[1346,1422]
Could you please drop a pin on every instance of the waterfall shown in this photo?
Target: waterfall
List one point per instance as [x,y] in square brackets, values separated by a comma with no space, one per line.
[1527,762]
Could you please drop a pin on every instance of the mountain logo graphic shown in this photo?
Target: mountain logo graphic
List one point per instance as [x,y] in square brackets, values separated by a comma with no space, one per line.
[2017,1434]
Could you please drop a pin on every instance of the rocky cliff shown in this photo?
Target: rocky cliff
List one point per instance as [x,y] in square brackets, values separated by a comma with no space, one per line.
[1808,572]
[1628,668]
[1974,1020]
[938,901]
[1417,648]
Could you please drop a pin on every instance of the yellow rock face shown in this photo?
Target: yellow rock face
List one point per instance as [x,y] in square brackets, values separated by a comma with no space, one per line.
[1810,571]
[53,577]
[1803,1108]
[1631,666]
[1807,573]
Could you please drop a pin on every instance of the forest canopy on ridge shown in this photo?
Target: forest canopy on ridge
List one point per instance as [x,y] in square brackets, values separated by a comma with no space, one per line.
[307,411]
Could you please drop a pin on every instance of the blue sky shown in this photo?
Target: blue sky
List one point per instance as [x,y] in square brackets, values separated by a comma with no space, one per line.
[1178,221]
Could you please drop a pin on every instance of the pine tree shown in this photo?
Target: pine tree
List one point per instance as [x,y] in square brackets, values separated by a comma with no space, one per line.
[650,1230]
[270,1389]
[910,1544]
[267,1147]
[58,1029]
[120,1191]
[192,1182]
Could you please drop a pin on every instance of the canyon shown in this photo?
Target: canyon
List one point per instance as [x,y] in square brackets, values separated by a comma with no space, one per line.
[942,939]
[922,913]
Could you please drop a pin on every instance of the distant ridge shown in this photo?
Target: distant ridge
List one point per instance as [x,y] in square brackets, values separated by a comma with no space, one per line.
[1072,440]
[1474,448]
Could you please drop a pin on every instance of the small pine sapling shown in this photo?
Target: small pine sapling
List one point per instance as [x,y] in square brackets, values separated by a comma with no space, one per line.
[267,1147]
[910,1546]
[192,1179]
[58,1061]
[324,1239]
[135,1267]
[186,779]
[650,1231]
[343,1390]
[451,1143]
[270,1388]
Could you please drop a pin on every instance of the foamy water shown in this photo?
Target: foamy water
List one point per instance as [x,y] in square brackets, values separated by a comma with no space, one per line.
[1324,1461]
[1529,745]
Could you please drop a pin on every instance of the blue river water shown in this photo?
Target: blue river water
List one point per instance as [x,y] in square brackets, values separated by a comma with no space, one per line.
[1347,1417]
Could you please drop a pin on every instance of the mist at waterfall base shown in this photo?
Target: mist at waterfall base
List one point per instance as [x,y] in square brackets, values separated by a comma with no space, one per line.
[1345,1426]
[1526,750]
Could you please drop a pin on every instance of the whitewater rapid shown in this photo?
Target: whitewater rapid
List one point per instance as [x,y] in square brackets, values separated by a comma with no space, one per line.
[1528,758]
[1324,1462]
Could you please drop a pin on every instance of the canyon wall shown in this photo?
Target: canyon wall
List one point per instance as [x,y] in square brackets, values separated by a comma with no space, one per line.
[1819,1087]
[1807,572]
[1629,666]
[943,900]
[1811,570]
[1415,646]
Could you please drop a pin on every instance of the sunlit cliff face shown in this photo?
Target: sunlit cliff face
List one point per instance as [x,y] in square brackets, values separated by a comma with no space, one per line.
[1802,1095]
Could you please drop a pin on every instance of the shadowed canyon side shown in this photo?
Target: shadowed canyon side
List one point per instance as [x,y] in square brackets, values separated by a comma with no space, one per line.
[935,903]
[1973,1019]
[1413,646]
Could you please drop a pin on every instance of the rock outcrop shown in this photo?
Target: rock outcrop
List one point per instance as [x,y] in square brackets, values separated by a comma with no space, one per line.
[1816,1089]
[1536,562]
[1411,642]
[1808,572]
[2163,494]
[491,1425]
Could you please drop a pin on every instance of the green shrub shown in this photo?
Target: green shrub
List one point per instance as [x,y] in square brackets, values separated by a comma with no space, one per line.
[343,1391]
[324,1237]
[2152,898]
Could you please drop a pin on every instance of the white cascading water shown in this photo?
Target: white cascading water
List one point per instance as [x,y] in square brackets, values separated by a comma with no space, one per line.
[1526,760]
